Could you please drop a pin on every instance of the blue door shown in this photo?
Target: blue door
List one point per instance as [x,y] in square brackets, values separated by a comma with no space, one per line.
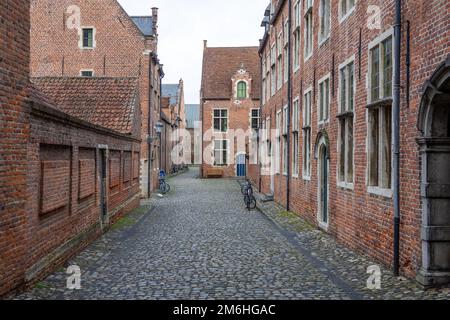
[240,165]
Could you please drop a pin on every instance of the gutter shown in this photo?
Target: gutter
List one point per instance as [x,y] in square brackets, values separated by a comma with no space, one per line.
[288,116]
[396,133]
[149,129]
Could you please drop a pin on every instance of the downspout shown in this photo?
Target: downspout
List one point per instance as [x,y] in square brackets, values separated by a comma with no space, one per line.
[149,129]
[288,116]
[396,120]
[161,76]
[260,121]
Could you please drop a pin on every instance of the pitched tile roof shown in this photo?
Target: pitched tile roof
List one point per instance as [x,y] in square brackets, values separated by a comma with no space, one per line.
[170,91]
[145,24]
[192,115]
[107,102]
[221,64]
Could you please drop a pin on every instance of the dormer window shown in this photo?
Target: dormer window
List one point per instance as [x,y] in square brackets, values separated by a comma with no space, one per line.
[242,90]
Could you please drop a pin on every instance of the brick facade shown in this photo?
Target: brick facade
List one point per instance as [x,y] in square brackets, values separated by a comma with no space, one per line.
[360,217]
[223,69]
[123,46]
[14,136]
[51,178]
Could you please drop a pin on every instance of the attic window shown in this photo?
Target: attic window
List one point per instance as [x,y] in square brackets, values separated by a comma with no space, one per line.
[88,38]
[86,73]
[241,90]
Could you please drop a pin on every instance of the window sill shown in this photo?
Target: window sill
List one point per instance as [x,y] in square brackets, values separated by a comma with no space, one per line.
[324,226]
[295,176]
[322,41]
[87,48]
[380,103]
[386,193]
[348,14]
[309,56]
[296,69]
[307,178]
[346,185]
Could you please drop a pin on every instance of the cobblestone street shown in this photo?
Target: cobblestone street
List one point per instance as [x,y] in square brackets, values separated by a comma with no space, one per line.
[199,242]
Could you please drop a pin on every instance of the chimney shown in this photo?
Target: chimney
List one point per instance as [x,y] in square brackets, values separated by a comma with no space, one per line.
[155,20]
[205,44]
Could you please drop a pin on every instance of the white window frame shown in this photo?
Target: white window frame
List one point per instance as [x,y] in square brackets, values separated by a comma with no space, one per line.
[221,149]
[297,37]
[374,43]
[228,120]
[296,137]
[309,10]
[286,51]
[80,38]
[322,39]
[87,70]
[252,118]
[280,49]
[343,17]
[344,183]
[306,115]
[319,99]
[278,124]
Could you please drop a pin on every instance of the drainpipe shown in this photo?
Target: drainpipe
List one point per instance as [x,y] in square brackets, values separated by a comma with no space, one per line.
[396,120]
[149,129]
[260,122]
[288,116]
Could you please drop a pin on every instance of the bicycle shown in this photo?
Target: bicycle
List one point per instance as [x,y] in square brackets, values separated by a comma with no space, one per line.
[249,198]
[164,187]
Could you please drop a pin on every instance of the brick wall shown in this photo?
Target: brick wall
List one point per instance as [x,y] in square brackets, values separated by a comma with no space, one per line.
[64,203]
[121,50]
[14,134]
[238,118]
[358,218]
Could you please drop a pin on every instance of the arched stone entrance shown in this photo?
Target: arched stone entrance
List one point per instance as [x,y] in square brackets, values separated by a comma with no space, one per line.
[434,124]
[322,154]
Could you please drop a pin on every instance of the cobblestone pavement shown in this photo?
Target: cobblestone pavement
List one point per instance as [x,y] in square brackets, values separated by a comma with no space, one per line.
[199,242]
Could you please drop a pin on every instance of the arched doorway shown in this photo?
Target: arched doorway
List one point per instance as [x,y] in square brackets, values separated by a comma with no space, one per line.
[434,124]
[322,154]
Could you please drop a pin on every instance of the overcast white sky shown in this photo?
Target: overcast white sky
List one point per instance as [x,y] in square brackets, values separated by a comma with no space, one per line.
[184,24]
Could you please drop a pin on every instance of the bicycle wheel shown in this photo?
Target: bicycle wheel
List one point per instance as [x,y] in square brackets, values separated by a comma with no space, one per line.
[244,189]
[166,187]
[252,203]
[247,201]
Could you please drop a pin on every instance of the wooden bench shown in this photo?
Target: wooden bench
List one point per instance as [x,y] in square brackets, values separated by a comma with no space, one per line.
[214,173]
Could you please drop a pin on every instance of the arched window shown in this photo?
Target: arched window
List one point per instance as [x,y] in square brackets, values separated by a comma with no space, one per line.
[241,90]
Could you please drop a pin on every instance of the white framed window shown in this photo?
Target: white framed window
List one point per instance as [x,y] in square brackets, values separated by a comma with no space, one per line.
[286,51]
[273,75]
[220,120]
[285,139]
[87,38]
[278,142]
[87,73]
[380,76]
[280,60]
[308,42]
[325,20]
[295,137]
[254,119]
[220,153]
[346,120]
[380,68]
[346,8]
[307,106]
[296,47]
[324,99]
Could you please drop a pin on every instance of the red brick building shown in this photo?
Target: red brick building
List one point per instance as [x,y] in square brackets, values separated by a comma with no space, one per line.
[173,108]
[229,103]
[332,101]
[68,168]
[92,38]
